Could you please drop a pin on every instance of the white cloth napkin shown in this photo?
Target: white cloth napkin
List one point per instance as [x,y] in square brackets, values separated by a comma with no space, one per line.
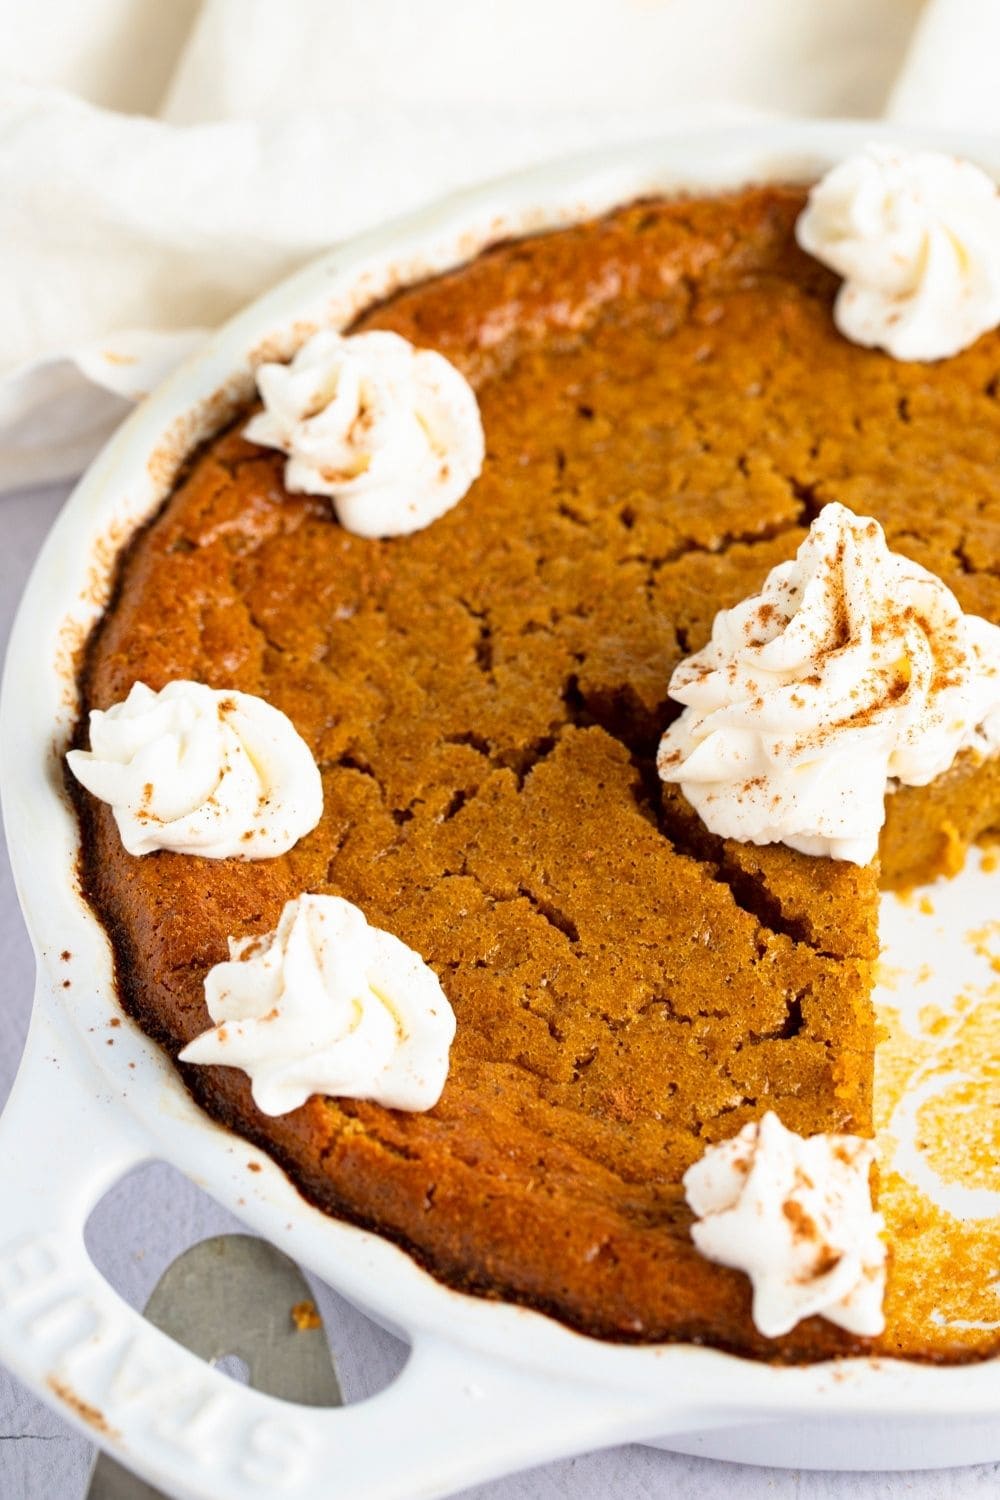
[162,164]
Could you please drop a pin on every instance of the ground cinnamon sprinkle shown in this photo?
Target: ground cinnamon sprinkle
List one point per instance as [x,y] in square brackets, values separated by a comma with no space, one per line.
[803,1225]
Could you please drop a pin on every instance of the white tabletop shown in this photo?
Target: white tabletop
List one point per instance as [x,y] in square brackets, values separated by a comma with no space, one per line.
[154,1214]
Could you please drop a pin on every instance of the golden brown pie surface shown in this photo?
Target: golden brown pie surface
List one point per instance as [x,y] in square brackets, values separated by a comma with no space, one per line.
[667,405]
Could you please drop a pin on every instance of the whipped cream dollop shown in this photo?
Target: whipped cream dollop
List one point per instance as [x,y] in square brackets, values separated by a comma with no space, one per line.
[327,1004]
[201,771]
[390,432]
[916,236]
[854,670]
[795,1214]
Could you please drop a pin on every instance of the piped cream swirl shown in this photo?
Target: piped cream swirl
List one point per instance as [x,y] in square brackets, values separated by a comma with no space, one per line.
[391,433]
[853,670]
[201,771]
[916,236]
[796,1215]
[327,1004]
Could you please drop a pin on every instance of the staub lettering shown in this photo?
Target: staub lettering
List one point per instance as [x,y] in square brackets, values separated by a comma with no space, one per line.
[25,1267]
[134,1381]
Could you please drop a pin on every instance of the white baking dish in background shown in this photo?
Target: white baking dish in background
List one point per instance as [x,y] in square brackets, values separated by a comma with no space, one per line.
[488,1387]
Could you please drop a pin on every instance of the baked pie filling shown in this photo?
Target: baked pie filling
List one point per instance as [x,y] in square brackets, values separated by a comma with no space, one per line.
[668,407]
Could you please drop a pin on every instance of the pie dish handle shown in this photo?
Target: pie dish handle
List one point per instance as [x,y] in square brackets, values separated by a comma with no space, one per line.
[452,1418]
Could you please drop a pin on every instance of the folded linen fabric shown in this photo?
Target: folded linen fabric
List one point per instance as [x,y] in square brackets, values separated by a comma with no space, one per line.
[267,133]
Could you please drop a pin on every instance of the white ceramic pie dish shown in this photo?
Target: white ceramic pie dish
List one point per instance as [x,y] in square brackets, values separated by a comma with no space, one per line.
[488,1387]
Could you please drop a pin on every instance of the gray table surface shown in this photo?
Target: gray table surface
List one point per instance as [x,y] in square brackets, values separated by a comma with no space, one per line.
[155,1213]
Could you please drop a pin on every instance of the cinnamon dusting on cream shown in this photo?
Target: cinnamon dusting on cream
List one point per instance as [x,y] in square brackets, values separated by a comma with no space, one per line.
[853,671]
